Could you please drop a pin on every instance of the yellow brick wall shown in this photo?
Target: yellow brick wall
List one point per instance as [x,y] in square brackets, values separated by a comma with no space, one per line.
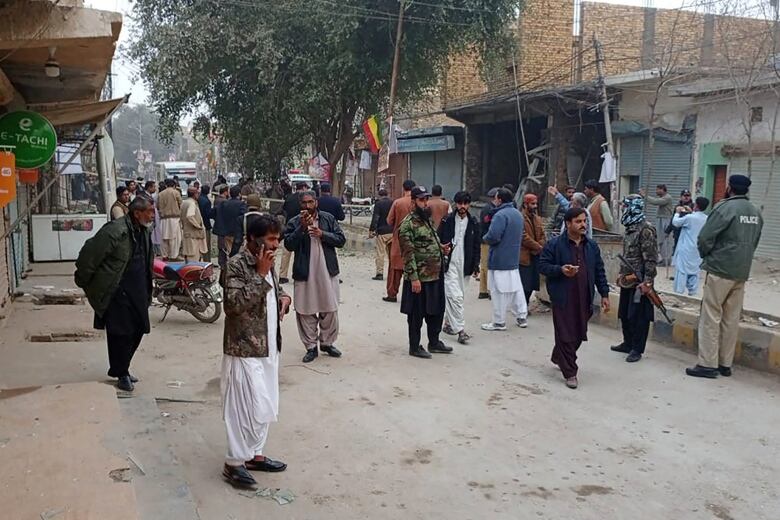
[545,44]
[619,29]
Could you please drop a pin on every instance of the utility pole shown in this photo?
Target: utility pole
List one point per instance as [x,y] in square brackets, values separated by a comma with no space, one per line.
[607,123]
[396,60]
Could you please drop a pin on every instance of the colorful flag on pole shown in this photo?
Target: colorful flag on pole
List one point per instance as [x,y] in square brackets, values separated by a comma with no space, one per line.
[373,134]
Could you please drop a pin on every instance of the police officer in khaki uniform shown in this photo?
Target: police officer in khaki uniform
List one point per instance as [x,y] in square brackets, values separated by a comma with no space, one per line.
[726,243]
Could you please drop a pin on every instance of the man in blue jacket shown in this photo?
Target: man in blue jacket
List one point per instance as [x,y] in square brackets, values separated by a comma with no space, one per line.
[573,266]
[505,236]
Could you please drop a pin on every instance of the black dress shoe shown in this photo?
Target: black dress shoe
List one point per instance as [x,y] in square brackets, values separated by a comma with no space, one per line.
[633,357]
[700,371]
[622,348]
[310,356]
[724,371]
[330,350]
[484,296]
[391,299]
[439,348]
[239,477]
[125,384]
[284,280]
[378,277]
[420,352]
[269,465]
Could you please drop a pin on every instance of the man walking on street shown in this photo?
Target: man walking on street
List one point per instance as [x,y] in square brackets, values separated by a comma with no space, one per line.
[484,224]
[573,266]
[727,243]
[640,249]
[290,209]
[193,228]
[254,308]
[533,243]
[398,212]
[505,237]
[381,231]
[169,204]
[314,236]
[206,213]
[330,204]
[120,207]
[461,231]
[439,207]
[115,270]
[598,208]
[663,218]
[686,259]
[423,292]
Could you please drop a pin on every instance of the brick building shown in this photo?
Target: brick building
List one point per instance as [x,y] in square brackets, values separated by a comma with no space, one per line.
[540,113]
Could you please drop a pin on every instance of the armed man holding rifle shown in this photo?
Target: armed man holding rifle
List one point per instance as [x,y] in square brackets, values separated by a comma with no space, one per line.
[640,250]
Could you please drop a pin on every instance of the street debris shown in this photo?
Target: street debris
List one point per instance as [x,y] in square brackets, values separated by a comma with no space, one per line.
[281,496]
[174,400]
[165,414]
[175,384]
[51,513]
[120,475]
[137,465]
[767,322]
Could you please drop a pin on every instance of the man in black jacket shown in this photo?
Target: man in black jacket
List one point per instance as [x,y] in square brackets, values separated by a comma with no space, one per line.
[314,237]
[228,225]
[573,266]
[290,209]
[461,230]
[329,204]
[381,231]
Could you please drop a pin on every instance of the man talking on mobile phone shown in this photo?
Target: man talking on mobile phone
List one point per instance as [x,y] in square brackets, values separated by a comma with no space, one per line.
[254,307]
[314,237]
[573,266]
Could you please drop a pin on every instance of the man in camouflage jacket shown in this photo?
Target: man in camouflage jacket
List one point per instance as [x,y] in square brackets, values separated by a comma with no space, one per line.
[640,249]
[254,308]
[423,289]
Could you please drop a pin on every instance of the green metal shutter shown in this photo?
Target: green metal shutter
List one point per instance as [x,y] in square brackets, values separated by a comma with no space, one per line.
[764,194]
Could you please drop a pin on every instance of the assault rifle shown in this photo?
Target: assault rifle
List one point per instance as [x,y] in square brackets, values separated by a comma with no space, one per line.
[653,296]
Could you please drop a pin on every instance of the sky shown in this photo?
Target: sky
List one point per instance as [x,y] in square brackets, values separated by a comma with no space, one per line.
[127,80]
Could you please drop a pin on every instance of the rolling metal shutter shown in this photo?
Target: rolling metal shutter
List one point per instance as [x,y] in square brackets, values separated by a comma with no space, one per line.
[765,196]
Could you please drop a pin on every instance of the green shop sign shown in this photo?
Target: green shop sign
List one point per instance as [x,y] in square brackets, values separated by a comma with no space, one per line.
[30,135]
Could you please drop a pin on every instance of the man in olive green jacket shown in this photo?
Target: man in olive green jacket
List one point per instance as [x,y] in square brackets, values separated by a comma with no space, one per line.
[423,290]
[115,270]
[726,243]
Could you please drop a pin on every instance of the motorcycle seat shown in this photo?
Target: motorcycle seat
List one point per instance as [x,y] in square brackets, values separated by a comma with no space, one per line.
[177,270]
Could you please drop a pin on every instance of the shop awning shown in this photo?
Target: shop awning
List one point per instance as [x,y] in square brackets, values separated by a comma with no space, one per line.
[79,113]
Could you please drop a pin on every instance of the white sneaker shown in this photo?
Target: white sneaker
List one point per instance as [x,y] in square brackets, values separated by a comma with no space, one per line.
[493,326]
[522,323]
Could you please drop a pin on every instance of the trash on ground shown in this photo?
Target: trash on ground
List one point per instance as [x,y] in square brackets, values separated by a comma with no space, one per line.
[175,384]
[165,414]
[766,322]
[137,465]
[120,475]
[281,496]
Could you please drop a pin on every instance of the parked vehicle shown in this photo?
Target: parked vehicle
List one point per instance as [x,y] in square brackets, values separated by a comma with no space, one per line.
[184,172]
[190,287]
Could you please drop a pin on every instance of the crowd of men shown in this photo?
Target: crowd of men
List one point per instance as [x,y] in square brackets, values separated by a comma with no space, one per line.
[433,248]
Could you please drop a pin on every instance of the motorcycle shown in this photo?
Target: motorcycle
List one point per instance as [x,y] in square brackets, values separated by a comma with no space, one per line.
[190,287]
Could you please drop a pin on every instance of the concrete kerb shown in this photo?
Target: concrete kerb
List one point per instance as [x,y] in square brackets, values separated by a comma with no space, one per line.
[758,347]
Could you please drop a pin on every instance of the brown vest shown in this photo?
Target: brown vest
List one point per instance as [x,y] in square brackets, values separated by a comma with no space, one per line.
[595,213]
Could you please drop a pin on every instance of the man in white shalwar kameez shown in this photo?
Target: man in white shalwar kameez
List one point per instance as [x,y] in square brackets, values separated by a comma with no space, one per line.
[505,237]
[461,230]
[686,259]
[254,308]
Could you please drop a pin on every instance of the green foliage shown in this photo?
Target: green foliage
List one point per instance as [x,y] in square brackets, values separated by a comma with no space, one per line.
[274,75]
